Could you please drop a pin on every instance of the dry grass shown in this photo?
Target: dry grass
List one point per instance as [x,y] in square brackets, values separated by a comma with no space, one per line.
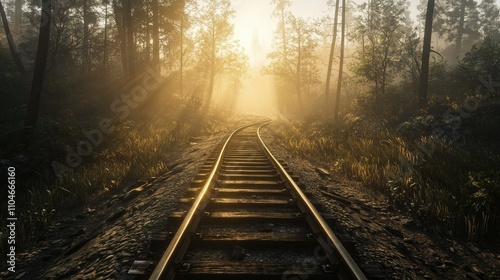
[130,153]
[451,190]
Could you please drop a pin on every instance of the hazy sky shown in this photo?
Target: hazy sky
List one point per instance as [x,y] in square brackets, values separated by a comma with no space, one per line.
[254,17]
[254,20]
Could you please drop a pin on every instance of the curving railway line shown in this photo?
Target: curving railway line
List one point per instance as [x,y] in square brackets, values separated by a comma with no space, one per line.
[244,217]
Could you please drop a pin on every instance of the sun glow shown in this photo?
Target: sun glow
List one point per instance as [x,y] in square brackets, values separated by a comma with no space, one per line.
[253,27]
[253,19]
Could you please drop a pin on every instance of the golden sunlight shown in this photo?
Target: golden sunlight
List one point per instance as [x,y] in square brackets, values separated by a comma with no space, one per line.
[254,27]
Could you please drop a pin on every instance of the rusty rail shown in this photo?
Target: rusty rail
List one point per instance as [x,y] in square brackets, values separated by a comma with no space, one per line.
[167,260]
[166,267]
[339,249]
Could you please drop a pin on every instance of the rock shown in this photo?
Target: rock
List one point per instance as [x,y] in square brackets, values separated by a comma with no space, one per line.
[76,233]
[53,242]
[322,172]
[123,255]
[410,224]
[394,231]
[238,253]
[452,249]
[478,272]
[177,169]
[120,212]
[472,276]
[109,257]
[450,264]
[420,260]
[402,248]
[409,241]
[194,139]
[81,216]
[56,252]
[427,125]
[434,253]
[133,193]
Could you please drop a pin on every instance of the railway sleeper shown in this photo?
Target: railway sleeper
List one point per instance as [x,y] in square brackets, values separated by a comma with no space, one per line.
[251,224]
[243,184]
[243,177]
[175,218]
[248,203]
[239,176]
[243,193]
[250,172]
[242,270]
[160,240]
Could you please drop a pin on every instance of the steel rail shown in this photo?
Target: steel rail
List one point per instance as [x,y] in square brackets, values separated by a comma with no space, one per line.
[345,257]
[168,258]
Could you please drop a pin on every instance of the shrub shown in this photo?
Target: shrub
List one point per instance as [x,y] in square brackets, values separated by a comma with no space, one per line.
[451,190]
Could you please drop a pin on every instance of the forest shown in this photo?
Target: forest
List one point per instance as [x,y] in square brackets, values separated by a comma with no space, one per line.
[96,95]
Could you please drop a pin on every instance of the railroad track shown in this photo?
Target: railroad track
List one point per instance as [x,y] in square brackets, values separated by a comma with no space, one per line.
[244,217]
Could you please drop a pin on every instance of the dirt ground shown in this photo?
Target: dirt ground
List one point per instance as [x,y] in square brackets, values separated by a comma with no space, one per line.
[385,237]
[102,239]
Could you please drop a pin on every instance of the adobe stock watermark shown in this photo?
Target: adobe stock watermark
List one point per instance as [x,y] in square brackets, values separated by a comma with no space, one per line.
[11,219]
[122,107]
[484,91]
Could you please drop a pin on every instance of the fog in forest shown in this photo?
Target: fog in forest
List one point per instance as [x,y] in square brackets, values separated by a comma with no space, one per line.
[401,97]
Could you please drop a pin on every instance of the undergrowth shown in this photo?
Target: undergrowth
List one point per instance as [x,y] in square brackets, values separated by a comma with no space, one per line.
[452,189]
[134,150]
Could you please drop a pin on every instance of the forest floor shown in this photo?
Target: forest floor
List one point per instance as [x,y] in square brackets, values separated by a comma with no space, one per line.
[101,239]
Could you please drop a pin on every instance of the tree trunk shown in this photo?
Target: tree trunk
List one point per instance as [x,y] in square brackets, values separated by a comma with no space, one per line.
[283,33]
[121,29]
[212,74]
[382,83]
[156,37]
[341,64]
[332,49]
[86,41]
[147,56]
[182,54]
[424,73]
[299,80]
[105,54]
[12,45]
[460,31]
[129,24]
[18,17]
[40,64]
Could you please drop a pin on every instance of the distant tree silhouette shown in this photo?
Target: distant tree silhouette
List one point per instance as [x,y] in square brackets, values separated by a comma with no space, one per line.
[341,63]
[299,69]
[424,73]
[40,64]
[156,35]
[332,51]
[381,28]
[457,21]
[218,52]
[10,40]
